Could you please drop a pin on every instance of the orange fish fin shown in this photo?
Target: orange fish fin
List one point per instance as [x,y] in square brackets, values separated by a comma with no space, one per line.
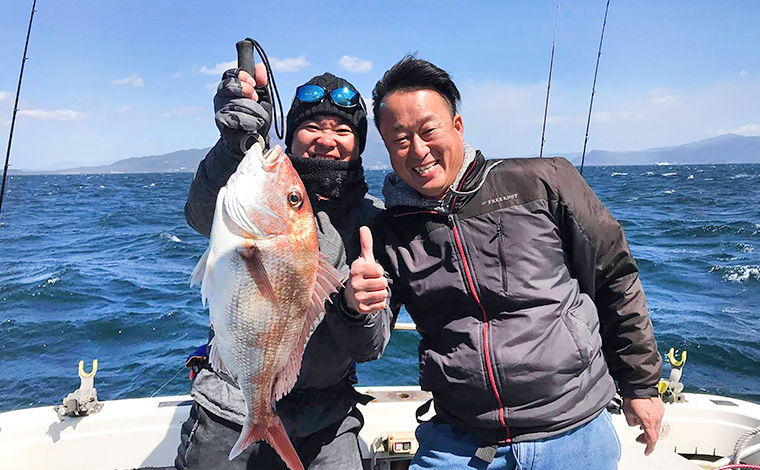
[327,283]
[275,435]
[252,257]
[328,277]
[286,378]
[215,359]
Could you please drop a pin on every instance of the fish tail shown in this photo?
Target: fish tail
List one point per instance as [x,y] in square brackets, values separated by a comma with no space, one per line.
[275,435]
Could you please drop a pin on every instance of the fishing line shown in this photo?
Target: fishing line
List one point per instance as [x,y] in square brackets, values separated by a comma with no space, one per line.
[15,106]
[279,125]
[167,382]
[549,85]
[593,87]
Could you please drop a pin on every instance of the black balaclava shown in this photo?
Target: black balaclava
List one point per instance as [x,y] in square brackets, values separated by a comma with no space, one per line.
[329,183]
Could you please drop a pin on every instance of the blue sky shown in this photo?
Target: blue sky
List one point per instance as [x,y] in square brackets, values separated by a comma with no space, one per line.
[112,80]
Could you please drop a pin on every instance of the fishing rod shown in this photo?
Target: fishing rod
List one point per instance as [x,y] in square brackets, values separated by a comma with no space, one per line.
[15,106]
[549,85]
[593,87]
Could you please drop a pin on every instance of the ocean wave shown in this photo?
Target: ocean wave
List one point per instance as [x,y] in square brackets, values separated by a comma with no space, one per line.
[680,230]
[741,274]
[170,237]
[616,173]
[668,174]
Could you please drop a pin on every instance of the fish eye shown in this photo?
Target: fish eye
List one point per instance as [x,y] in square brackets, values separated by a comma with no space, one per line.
[295,199]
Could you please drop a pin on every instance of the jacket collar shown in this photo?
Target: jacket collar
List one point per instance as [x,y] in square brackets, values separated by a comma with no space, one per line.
[398,193]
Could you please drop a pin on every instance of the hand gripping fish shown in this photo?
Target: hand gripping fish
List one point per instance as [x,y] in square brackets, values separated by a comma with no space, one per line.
[265,283]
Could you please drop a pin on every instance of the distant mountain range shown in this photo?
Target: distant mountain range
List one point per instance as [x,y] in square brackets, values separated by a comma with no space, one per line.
[729,148]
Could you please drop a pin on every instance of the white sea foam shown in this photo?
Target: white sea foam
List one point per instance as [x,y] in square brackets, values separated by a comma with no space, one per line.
[691,177]
[745,248]
[669,174]
[170,237]
[669,191]
[740,274]
[619,174]
[53,280]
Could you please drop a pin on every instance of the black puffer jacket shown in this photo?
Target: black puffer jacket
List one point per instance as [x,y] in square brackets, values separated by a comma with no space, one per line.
[525,294]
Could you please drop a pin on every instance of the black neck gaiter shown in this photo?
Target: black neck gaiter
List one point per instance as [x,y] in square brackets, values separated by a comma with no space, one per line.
[331,184]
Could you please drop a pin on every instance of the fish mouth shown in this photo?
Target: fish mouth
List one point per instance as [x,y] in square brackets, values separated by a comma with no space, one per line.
[271,158]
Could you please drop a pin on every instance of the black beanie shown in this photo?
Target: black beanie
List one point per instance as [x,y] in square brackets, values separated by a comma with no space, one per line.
[355,117]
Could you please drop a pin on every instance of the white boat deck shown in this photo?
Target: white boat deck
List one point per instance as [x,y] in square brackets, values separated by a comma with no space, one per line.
[144,433]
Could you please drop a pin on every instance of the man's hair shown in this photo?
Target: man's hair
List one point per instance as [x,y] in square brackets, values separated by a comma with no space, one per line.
[411,74]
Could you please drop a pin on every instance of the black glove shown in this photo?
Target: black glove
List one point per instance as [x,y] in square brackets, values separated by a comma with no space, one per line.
[240,119]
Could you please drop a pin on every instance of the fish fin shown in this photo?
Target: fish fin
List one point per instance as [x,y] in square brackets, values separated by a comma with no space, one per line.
[275,435]
[328,277]
[215,359]
[327,283]
[200,276]
[252,257]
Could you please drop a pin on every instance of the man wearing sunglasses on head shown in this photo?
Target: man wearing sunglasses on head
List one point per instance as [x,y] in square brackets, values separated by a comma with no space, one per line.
[325,136]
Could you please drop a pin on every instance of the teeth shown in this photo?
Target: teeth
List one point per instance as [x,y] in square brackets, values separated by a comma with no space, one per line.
[424,169]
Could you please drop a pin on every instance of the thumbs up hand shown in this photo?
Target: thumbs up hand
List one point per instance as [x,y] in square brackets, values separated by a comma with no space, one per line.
[367,289]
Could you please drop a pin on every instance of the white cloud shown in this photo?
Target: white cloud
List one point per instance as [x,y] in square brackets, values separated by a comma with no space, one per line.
[607,117]
[354,64]
[749,129]
[5,95]
[124,109]
[743,73]
[661,95]
[294,64]
[54,115]
[667,99]
[177,74]
[219,68]
[132,80]
[289,65]
[181,111]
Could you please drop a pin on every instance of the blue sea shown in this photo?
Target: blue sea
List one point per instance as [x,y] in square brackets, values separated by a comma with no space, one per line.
[98,266]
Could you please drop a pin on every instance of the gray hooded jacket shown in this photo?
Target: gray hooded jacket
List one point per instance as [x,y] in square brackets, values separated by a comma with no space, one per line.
[323,393]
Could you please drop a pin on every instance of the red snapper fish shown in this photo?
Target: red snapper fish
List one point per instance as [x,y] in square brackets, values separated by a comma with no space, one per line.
[265,283]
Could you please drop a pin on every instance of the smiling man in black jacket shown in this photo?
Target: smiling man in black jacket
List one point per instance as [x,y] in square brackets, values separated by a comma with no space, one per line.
[523,289]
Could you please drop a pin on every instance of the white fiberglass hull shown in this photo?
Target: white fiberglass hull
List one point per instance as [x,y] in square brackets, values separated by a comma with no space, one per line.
[144,433]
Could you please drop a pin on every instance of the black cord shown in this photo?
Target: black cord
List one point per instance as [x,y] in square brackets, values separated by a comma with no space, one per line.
[279,125]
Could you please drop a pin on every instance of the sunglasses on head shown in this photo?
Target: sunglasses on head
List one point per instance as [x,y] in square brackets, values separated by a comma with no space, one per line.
[343,96]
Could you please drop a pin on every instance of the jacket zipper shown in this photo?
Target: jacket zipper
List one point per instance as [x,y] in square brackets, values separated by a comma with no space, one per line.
[487,353]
